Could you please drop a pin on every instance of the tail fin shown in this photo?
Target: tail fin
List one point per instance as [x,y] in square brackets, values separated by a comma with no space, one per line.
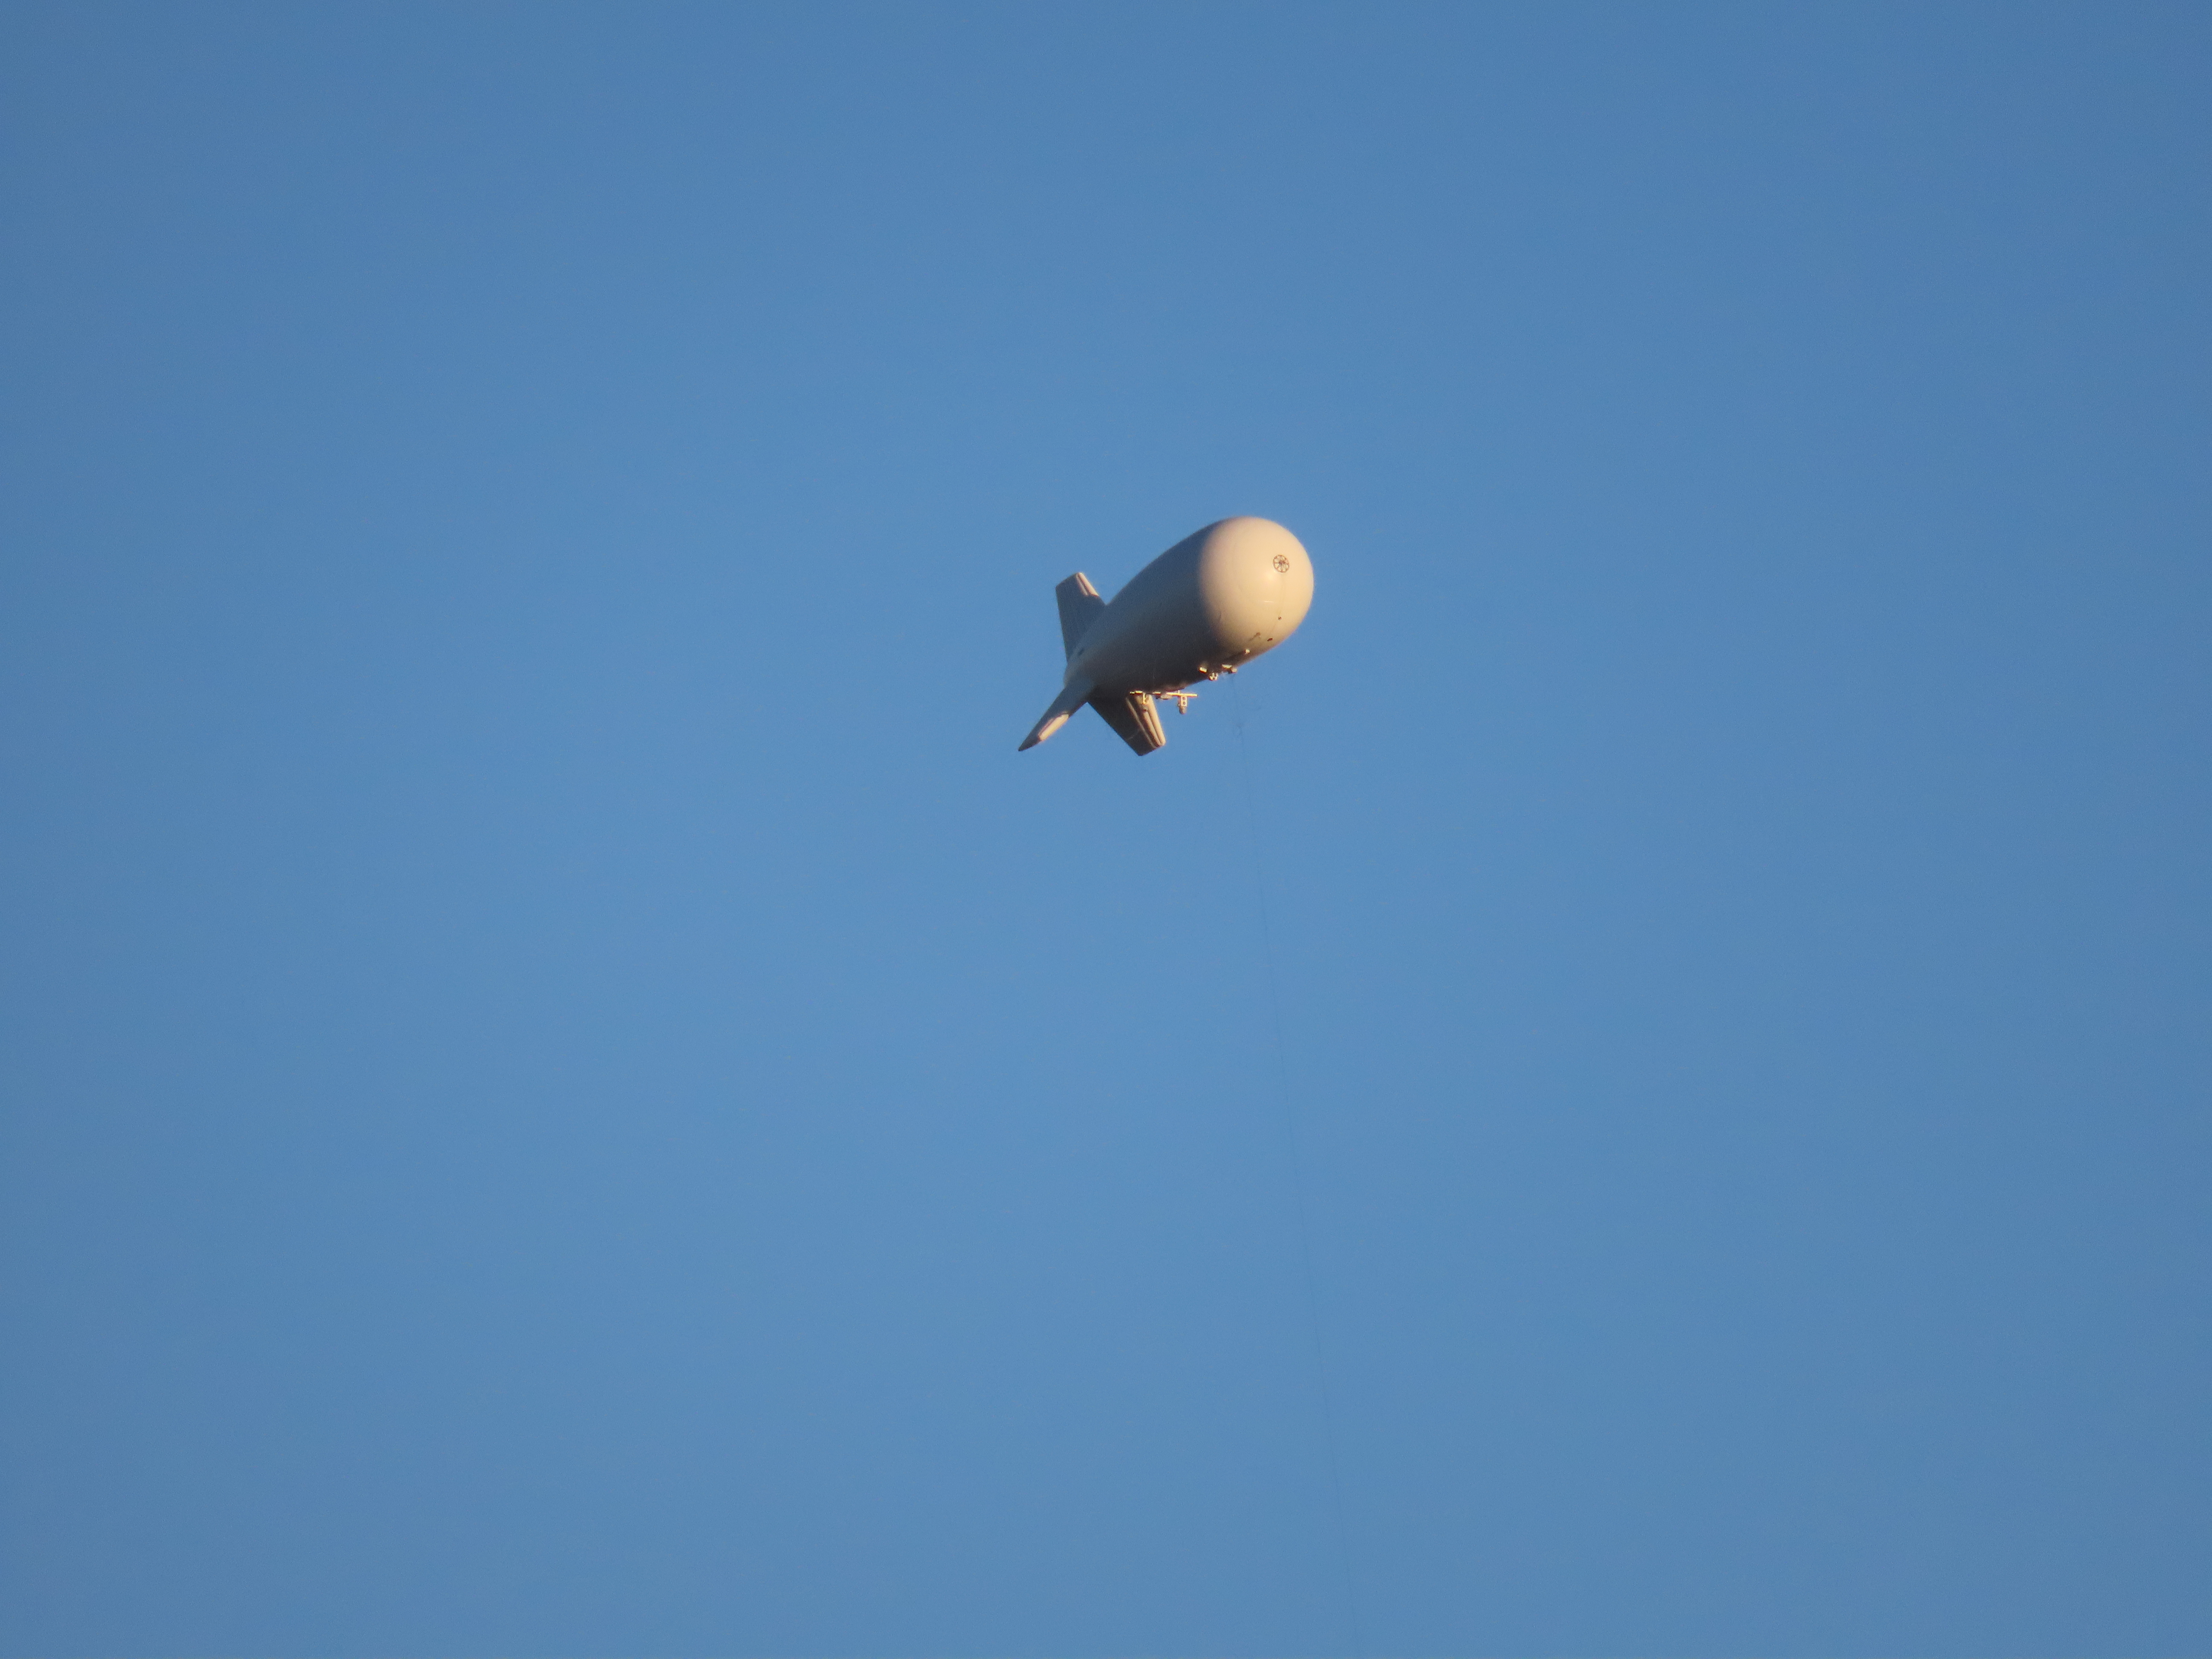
[1134,719]
[1080,605]
[1071,698]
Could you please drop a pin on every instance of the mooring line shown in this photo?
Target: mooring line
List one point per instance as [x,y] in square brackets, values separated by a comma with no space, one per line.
[1288,1117]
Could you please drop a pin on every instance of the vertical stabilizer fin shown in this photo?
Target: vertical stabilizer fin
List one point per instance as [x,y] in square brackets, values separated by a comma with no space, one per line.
[1134,720]
[1080,605]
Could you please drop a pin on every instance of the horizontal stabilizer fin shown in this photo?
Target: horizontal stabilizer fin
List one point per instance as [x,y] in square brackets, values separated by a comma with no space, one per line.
[1134,720]
[1080,605]
[1071,697]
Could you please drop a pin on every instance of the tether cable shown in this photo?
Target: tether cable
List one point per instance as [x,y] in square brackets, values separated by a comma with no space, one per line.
[1288,1118]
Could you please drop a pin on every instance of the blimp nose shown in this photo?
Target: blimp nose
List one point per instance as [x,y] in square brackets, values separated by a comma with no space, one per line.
[1258,585]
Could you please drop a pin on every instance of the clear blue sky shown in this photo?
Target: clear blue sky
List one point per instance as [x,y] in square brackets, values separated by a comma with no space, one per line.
[563,1090]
